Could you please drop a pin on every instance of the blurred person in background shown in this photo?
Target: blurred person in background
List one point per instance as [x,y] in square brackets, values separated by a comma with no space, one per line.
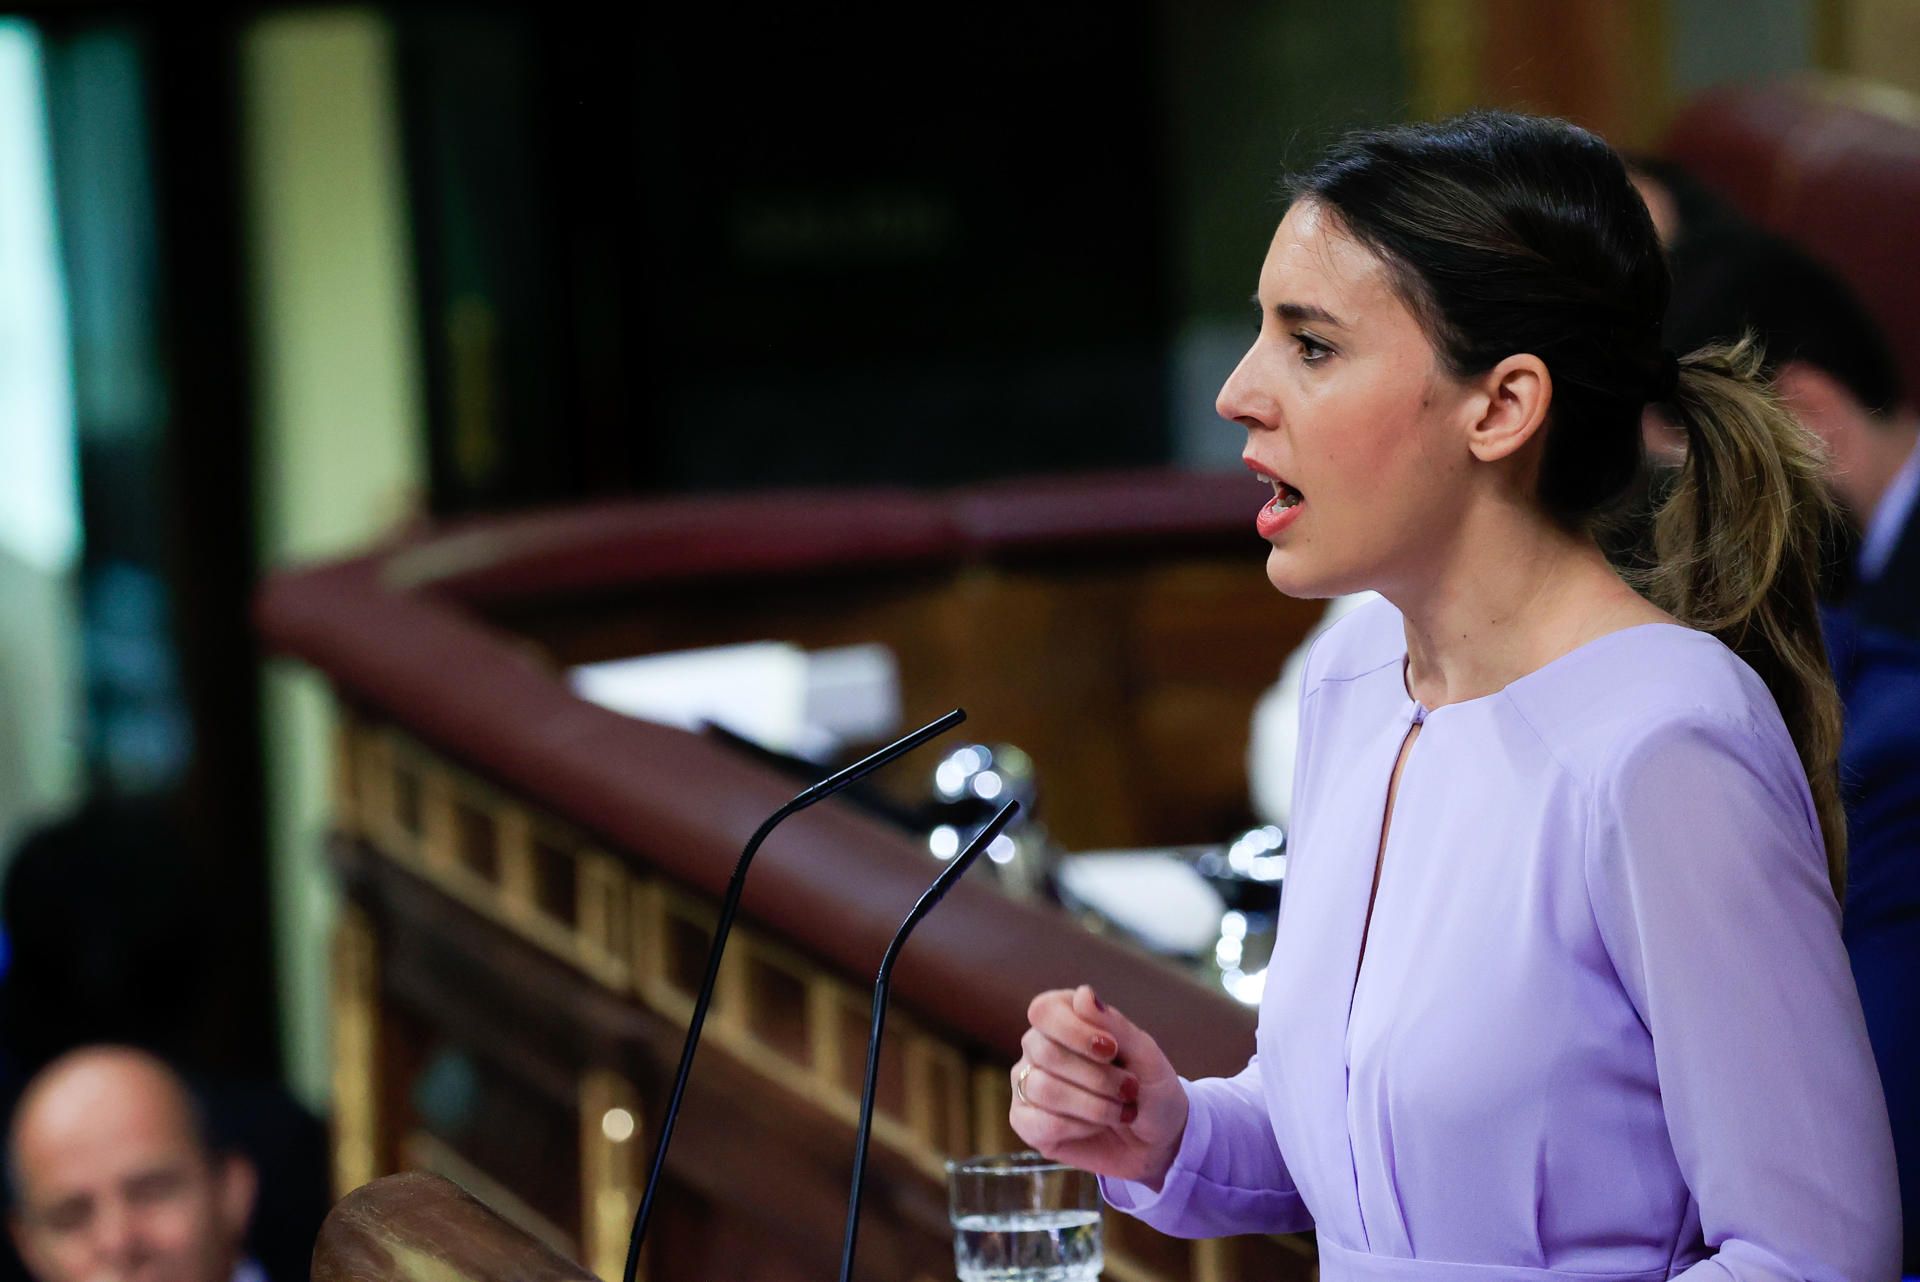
[105,927]
[1878,674]
[1831,364]
[115,1177]
[1833,368]
[105,924]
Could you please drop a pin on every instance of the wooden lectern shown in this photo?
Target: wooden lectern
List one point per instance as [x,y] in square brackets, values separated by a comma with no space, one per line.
[416,1227]
[530,879]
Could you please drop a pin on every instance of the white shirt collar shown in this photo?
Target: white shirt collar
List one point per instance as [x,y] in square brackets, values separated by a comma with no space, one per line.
[1889,517]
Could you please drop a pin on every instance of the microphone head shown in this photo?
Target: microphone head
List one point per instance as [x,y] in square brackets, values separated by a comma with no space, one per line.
[981,840]
[868,764]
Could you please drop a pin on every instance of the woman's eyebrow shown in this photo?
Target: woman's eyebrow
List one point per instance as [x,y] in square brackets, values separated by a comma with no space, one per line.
[1296,312]
[1293,313]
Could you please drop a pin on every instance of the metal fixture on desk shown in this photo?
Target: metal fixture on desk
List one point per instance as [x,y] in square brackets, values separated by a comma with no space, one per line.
[969,785]
[1210,908]
[1248,872]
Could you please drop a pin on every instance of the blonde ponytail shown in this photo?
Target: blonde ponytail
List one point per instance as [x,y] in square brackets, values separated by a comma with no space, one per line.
[1736,552]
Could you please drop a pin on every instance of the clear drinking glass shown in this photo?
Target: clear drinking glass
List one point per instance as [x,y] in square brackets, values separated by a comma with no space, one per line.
[1018,1217]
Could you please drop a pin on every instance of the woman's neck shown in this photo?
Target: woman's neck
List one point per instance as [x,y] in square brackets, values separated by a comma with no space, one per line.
[1510,601]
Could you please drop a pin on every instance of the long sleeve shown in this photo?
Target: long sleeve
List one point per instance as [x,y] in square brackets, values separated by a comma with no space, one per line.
[1708,882]
[1228,1176]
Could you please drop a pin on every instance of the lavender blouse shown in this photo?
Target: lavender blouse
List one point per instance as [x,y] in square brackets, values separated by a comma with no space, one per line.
[1605,1028]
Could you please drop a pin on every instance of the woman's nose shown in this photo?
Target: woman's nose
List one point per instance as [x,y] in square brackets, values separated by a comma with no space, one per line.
[1239,400]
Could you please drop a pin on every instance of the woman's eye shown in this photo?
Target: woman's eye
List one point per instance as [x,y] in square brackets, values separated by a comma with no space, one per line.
[1312,350]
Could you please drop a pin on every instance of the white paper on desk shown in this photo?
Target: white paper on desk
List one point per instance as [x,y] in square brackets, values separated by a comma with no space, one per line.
[1156,897]
[771,692]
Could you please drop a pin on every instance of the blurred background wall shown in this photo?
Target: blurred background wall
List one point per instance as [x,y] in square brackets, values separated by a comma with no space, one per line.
[282,280]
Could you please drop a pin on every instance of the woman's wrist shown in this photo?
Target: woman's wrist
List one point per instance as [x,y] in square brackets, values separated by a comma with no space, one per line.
[1160,1159]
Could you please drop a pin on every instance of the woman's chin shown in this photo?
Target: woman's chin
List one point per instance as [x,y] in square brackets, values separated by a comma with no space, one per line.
[1293,575]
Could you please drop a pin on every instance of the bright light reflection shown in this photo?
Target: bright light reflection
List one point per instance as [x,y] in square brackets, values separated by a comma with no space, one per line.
[987,785]
[1001,849]
[944,841]
[617,1125]
[1245,988]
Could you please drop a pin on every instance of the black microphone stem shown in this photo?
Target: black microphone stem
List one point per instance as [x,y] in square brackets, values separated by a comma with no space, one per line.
[723,925]
[934,893]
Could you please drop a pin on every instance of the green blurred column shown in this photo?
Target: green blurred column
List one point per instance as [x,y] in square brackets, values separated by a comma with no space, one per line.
[40,700]
[341,450]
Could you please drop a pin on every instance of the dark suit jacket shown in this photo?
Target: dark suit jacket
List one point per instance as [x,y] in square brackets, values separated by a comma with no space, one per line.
[1892,601]
[1878,673]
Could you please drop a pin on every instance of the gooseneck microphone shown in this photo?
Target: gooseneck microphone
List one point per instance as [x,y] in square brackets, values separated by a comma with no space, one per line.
[724,925]
[934,893]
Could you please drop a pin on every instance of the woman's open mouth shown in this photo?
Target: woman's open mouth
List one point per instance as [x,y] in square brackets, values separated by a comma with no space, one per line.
[1282,509]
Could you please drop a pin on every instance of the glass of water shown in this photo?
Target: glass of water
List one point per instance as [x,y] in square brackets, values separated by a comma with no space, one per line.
[1018,1217]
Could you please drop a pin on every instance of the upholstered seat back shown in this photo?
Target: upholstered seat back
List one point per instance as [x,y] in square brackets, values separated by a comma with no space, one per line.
[1834,166]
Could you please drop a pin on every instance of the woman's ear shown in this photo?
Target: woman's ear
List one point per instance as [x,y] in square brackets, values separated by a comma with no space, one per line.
[1518,391]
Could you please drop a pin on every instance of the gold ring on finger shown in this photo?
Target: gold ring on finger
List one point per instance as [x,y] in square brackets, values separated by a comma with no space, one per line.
[1020,1085]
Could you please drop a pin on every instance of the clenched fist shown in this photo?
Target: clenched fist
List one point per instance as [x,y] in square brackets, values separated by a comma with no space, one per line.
[1093,1091]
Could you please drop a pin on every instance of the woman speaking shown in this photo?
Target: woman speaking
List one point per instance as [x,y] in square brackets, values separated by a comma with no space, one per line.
[1558,990]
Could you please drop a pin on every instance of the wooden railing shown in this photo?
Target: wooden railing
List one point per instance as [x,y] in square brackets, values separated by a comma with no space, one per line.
[530,879]
[421,1228]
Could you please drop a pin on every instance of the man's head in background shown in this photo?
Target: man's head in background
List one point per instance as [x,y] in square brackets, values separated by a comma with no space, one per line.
[1684,210]
[1827,356]
[115,1179]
